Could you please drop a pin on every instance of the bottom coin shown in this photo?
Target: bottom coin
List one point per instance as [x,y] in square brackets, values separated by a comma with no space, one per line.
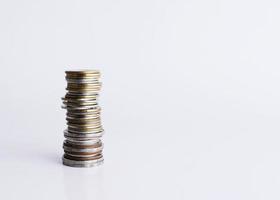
[88,163]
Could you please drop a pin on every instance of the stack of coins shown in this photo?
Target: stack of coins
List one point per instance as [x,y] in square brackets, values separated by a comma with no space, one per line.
[82,146]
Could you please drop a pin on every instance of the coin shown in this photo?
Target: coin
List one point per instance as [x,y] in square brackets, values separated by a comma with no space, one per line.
[84,142]
[94,156]
[83,134]
[71,149]
[81,80]
[94,146]
[83,154]
[89,163]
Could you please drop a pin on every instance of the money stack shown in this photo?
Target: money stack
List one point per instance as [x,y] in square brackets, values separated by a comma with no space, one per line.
[82,146]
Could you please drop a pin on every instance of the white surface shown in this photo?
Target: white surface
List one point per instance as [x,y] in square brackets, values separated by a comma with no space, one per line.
[190,98]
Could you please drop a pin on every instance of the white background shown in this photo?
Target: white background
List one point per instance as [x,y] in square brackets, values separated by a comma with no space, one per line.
[190,98]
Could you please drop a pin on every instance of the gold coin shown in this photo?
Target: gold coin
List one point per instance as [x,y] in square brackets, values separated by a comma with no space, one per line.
[82,85]
[84,71]
[93,76]
[98,129]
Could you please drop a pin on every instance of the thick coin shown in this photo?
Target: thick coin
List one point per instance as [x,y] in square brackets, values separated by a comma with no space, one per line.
[83,158]
[89,163]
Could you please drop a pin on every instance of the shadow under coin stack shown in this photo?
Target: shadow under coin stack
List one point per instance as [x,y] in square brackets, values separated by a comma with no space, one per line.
[82,147]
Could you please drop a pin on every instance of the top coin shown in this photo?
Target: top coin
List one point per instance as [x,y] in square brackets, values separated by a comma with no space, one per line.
[82,74]
[86,71]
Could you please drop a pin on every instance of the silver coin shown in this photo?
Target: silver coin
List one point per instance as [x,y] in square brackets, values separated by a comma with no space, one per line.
[83,150]
[83,142]
[79,107]
[84,91]
[85,109]
[89,163]
[71,106]
[81,139]
[94,145]
[82,113]
[77,134]
[80,102]
[82,81]
[69,97]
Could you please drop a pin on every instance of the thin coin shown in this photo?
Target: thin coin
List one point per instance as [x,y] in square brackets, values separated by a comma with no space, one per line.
[82,80]
[82,146]
[82,71]
[85,130]
[83,134]
[84,142]
[83,155]
[88,150]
